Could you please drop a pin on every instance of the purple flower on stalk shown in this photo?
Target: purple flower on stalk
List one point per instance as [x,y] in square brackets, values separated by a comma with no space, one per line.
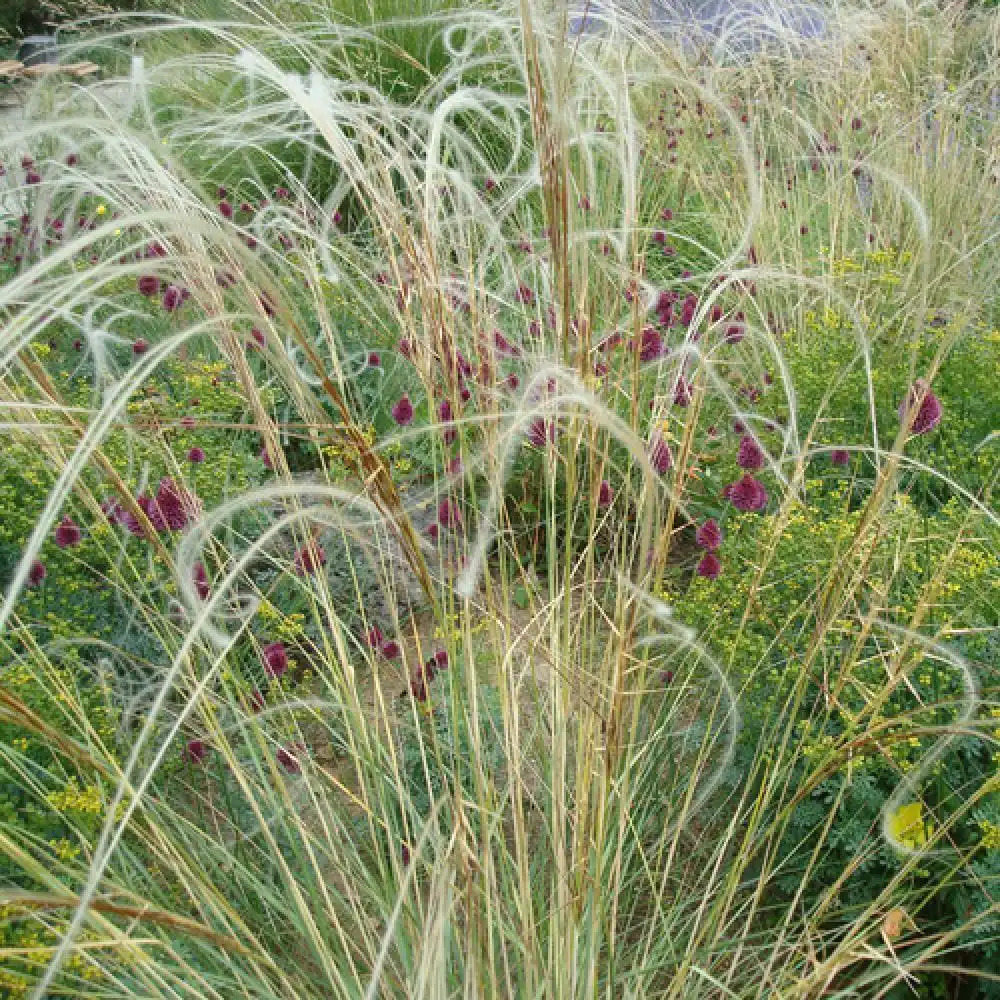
[36,573]
[541,432]
[709,535]
[402,411]
[173,298]
[374,637]
[747,494]
[683,392]
[195,752]
[840,456]
[139,347]
[149,285]
[709,567]
[449,514]
[200,577]
[750,455]
[309,559]
[374,361]
[67,533]
[605,494]
[275,659]
[31,177]
[172,508]
[196,455]
[922,407]
[389,649]
[225,209]
[659,454]
[650,344]
[288,757]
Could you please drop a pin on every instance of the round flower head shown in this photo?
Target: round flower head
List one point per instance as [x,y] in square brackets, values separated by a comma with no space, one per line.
[274,658]
[200,577]
[195,752]
[683,392]
[449,514]
[36,573]
[374,361]
[922,407]
[309,559]
[659,454]
[173,298]
[390,649]
[709,567]
[605,494]
[149,285]
[840,456]
[709,535]
[289,757]
[196,455]
[374,637]
[402,411]
[750,455]
[747,494]
[541,432]
[67,533]
[139,347]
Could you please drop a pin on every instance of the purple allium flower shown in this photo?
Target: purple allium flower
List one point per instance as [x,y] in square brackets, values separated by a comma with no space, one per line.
[747,494]
[225,209]
[650,344]
[374,637]
[288,757]
[72,160]
[524,294]
[258,337]
[309,559]
[750,455]
[36,573]
[257,700]
[32,177]
[139,346]
[200,576]
[541,432]
[149,285]
[402,411]
[389,649]
[172,508]
[265,457]
[374,360]
[605,494]
[688,308]
[683,392]
[512,381]
[275,659]
[709,535]
[67,533]
[734,333]
[659,454]
[433,530]
[709,567]
[449,515]
[840,456]
[928,416]
[195,751]
[196,455]
[441,659]
[337,218]
[173,298]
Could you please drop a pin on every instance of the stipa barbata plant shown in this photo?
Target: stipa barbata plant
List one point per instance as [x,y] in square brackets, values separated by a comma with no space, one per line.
[530,804]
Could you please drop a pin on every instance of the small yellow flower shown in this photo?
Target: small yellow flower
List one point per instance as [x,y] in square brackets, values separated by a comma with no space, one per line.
[102,209]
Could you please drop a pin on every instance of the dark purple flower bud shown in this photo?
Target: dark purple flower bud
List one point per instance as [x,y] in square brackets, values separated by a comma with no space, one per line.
[196,455]
[605,494]
[683,392]
[139,347]
[309,559]
[36,573]
[524,294]
[840,456]
[747,494]
[275,659]
[921,407]
[449,514]
[709,535]
[200,577]
[149,285]
[72,160]
[258,337]
[173,297]
[195,752]
[750,455]
[290,757]
[374,361]
[709,567]
[225,209]
[688,308]
[374,637]
[650,344]
[441,659]
[390,649]
[402,411]
[541,432]
[660,455]
[67,533]
[31,177]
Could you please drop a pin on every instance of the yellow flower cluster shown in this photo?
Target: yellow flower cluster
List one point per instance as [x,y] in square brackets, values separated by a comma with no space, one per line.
[75,799]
